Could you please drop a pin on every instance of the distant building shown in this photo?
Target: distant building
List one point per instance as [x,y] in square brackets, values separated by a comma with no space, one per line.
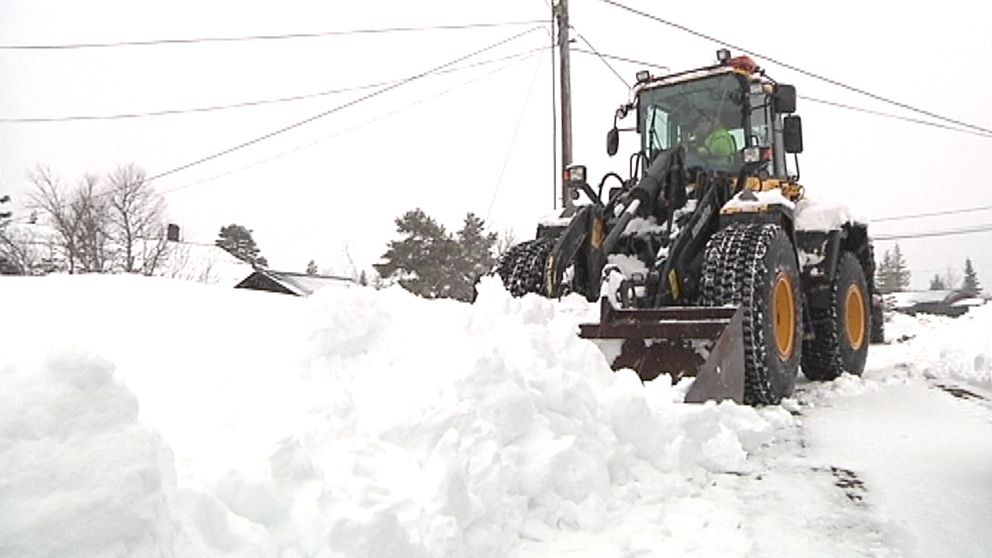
[285,282]
[942,303]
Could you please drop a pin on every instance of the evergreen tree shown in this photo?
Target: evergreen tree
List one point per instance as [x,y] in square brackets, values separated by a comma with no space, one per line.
[970,284]
[312,268]
[431,263]
[900,271]
[421,260]
[363,279]
[475,256]
[237,240]
[937,284]
[7,265]
[884,276]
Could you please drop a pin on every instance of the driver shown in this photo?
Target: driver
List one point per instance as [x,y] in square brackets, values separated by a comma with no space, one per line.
[711,140]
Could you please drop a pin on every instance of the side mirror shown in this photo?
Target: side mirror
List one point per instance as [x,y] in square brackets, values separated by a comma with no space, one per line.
[785,99]
[792,134]
[612,142]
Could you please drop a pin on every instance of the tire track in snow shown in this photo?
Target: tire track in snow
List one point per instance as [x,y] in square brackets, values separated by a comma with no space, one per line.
[801,506]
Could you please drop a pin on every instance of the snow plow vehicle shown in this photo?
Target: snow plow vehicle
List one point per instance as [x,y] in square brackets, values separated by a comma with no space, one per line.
[708,260]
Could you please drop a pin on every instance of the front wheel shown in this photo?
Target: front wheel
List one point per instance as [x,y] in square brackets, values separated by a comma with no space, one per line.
[841,329]
[754,266]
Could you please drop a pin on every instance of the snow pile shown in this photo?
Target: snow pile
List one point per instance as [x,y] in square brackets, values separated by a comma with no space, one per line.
[353,423]
[80,475]
[958,349]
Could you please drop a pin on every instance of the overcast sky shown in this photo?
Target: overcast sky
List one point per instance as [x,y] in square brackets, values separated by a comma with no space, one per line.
[444,143]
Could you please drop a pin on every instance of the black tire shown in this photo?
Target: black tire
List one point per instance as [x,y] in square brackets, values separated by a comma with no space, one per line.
[840,332]
[522,267]
[877,323]
[754,266]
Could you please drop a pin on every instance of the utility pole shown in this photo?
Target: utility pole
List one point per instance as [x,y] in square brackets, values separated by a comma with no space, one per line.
[561,11]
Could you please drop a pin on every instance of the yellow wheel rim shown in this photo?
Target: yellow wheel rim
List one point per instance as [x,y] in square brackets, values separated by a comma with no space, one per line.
[855,317]
[784,310]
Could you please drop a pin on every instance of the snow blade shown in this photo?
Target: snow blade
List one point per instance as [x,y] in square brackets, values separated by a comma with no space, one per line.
[685,341]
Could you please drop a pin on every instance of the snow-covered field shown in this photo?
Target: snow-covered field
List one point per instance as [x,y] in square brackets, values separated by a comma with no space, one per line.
[154,417]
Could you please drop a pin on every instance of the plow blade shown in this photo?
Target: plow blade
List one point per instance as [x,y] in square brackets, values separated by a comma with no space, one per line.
[706,343]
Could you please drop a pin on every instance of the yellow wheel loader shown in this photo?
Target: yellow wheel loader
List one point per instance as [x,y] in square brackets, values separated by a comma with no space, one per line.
[707,260]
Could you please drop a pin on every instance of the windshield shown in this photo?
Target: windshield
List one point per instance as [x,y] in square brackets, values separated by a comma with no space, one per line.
[706,116]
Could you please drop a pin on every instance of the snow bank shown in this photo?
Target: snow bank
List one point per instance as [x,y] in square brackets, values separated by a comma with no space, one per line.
[80,476]
[959,349]
[353,423]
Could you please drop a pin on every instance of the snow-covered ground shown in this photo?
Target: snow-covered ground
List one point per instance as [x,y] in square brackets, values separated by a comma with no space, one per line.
[154,417]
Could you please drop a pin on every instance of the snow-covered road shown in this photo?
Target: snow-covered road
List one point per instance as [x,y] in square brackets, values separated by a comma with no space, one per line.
[148,417]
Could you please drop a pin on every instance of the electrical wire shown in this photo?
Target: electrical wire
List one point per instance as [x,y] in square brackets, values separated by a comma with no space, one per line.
[895,116]
[603,58]
[932,214]
[820,101]
[554,112]
[513,141]
[796,68]
[255,103]
[622,59]
[276,37]
[937,233]
[342,132]
[340,107]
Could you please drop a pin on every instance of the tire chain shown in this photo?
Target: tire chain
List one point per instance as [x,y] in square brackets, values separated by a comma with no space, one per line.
[734,258]
[821,353]
[522,267]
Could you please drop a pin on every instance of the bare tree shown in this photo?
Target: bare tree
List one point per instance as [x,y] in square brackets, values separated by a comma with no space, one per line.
[91,211]
[136,219]
[52,199]
[951,278]
[26,253]
[504,242]
[114,225]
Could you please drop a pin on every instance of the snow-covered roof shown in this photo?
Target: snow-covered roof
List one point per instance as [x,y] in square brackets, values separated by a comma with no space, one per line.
[203,263]
[906,299]
[299,284]
[970,301]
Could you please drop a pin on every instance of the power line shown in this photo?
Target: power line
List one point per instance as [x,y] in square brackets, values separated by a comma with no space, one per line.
[816,100]
[255,103]
[623,59]
[513,141]
[796,68]
[895,116]
[342,132]
[277,37]
[603,58]
[554,109]
[340,107]
[928,234]
[933,214]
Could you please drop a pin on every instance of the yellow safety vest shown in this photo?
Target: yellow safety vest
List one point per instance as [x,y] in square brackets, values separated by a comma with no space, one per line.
[719,144]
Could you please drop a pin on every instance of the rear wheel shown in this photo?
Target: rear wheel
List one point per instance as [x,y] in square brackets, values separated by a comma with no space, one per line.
[754,266]
[842,329]
[522,267]
[877,322]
